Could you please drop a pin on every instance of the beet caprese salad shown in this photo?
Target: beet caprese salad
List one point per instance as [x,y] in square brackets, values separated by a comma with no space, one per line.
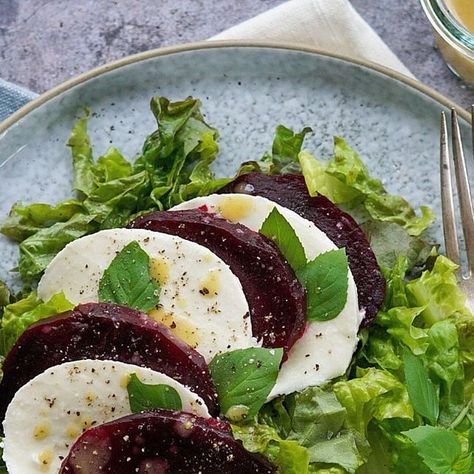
[289,319]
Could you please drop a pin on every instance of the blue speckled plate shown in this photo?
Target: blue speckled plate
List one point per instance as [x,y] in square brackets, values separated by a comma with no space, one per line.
[246,90]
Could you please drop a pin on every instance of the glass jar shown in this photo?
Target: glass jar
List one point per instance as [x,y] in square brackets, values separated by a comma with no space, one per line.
[454,40]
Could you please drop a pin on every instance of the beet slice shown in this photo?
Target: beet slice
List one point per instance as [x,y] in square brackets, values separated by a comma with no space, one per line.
[107,332]
[276,299]
[161,442]
[290,191]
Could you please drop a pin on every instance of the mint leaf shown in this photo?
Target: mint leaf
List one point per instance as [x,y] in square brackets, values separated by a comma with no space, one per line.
[326,281]
[439,448]
[277,228]
[244,378]
[420,388]
[144,397]
[127,281]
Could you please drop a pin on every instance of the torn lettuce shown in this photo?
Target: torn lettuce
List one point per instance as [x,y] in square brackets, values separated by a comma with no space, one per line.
[370,419]
[345,180]
[174,166]
[20,315]
[316,439]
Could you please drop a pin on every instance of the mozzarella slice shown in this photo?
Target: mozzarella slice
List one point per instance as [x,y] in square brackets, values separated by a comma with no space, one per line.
[326,348]
[49,413]
[201,300]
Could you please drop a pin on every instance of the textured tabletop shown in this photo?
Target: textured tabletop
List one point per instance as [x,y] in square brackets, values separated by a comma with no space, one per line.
[44,42]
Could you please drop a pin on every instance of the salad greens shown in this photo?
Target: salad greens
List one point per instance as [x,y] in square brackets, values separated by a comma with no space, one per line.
[174,165]
[20,315]
[406,403]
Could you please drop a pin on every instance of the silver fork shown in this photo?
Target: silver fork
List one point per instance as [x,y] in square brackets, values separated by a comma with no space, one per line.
[466,280]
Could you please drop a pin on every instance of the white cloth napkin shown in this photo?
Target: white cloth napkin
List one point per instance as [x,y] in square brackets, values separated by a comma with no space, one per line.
[331,25]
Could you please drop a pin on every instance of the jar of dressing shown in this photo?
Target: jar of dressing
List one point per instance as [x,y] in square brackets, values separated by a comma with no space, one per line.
[453,26]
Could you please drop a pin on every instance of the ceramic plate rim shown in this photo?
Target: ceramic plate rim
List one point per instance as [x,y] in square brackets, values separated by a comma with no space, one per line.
[221,44]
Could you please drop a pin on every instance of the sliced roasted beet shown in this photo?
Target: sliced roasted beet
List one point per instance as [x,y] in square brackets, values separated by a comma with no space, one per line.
[107,332]
[276,299]
[291,192]
[161,442]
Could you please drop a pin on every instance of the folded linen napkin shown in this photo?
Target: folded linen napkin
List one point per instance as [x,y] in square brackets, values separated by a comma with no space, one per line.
[331,25]
[12,97]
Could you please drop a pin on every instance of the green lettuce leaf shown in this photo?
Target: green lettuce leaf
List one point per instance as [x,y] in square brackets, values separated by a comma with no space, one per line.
[5,296]
[288,455]
[174,166]
[111,166]
[22,222]
[465,329]
[177,157]
[317,413]
[37,251]
[20,315]
[373,394]
[390,241]
[284,155]
[82,159]
[318,424]
[112,202]
[346,180]
[380,350]
[438,292]
[446,369]
[396,294]
[399,322]
[292,458]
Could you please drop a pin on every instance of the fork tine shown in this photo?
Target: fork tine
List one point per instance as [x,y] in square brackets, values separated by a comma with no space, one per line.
[447,204]
[465,200]
[472,128]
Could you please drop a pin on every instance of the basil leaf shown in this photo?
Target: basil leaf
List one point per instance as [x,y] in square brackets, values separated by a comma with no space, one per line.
[439,448]
[145,397]
[420,388]
[127,281]
[277,228]
[326,282]
[244,378]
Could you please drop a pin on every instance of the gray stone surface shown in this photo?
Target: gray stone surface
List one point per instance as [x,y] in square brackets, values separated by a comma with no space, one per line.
[44,42]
